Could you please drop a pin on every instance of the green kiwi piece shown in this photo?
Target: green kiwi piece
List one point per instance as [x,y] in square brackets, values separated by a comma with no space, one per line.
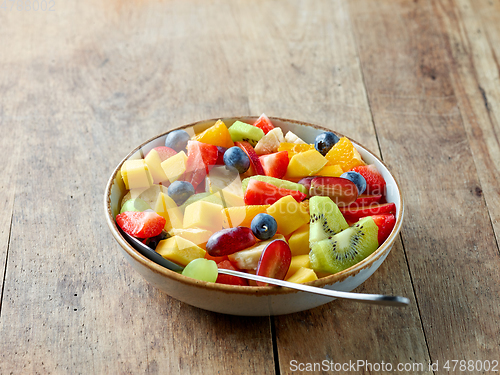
[283,184]
[241,131]
[346,248]
[326,219]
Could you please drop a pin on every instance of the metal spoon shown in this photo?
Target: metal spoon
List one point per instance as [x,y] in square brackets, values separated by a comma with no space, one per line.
[376,299]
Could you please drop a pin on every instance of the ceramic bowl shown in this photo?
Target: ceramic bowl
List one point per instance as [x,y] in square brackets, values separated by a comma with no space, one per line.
[248,300]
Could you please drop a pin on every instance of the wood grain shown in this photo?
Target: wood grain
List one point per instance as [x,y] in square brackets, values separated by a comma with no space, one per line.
[414,81]
[451,248]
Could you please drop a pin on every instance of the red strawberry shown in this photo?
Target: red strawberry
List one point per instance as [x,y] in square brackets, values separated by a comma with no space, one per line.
[255,165]
[375,183]
[264,123]
[141,224]
[353,214]
[275,165]
[260,192]
[385,225]
[201,158]
[229,279]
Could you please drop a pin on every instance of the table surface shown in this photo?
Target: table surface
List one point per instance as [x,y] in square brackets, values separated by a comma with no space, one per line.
[82,83]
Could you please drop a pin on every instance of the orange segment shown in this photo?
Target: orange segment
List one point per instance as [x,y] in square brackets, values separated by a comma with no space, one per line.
[345,155]
[216,135]
[294,148]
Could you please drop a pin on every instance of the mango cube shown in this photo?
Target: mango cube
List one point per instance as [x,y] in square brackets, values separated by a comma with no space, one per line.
[217,135]
[306,163]
[154,161]
[179,250]
[197,236]
[331,171]
[303,275]
[289,214]
[136,174]
[203,214]
[166,207]
[242,215]
[297,262]
[175,166]
[299,241]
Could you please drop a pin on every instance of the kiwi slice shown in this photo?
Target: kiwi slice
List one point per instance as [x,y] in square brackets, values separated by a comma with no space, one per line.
[346,248]
[283,184]
[326,219]
[241,131]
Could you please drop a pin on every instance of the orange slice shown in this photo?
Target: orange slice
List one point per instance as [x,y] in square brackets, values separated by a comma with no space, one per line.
[345,155]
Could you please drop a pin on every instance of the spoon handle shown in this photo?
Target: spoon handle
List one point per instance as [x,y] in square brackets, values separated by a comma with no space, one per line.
[376,299]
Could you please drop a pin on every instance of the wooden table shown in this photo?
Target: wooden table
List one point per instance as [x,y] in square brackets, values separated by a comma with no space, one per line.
[82,83]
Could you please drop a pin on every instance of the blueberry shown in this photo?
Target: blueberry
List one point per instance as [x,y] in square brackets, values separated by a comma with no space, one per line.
[358,180]
[153,242]
[236,158]
[180,191]
[325,141]
[264,226]
[177,140]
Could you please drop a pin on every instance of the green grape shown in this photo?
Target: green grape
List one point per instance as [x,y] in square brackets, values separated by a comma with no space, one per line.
[136,204]
[201,269]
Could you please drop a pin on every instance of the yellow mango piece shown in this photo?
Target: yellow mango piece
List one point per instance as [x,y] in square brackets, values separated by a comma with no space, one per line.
[216,135]
[242,216]
[297,262]
[344,153]
[197,236]
[153,161]
[166,207]
[331,171]
[306,163]
[248,259]
[303,275]
[294,148]
[179,250]
[136,174]
[203,214]
[175,166]
[299,241]
[289,214]
[230,199]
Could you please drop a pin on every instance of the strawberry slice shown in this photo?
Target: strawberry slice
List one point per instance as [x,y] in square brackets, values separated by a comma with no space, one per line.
[385,225]
[366,199]
[255,165]
[275,164]
[264,123]
[141,224]
[353,214]
[260,192]
[201,158]
[274,261]
[375,183]
[229,279]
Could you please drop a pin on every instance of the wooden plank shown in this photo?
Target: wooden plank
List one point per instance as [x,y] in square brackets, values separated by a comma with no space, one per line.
[324,70]
[448,238]
[472,32]
[86,96]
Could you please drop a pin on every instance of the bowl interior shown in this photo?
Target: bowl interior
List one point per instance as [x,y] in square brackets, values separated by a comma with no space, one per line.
[115,191]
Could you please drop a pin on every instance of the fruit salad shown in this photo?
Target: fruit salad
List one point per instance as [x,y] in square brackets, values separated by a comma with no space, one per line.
[252,198]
